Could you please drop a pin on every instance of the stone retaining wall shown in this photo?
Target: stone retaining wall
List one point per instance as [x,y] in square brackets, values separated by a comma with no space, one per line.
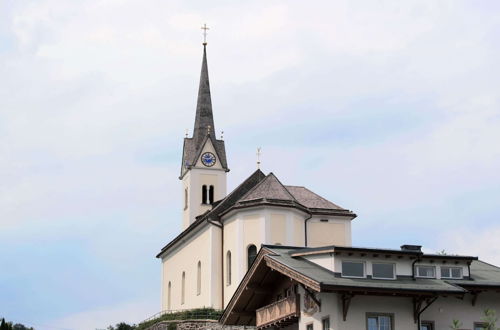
[194,325]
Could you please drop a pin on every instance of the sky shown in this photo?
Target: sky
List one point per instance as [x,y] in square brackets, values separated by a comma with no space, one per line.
[387,108]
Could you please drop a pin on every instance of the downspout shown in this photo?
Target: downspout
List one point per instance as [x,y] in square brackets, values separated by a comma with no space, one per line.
[305,228]
[219,224]
[413,267]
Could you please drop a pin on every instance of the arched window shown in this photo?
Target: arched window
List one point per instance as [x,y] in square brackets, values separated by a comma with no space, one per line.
[204,193]
[228,268]
[252,253]
[211,195]
[198,279]
[183,288]
[185,199]
[169,296]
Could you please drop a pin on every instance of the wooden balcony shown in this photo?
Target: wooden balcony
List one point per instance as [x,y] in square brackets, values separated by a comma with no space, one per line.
[280,313]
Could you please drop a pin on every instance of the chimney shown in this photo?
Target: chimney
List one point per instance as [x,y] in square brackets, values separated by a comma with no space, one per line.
[411,248]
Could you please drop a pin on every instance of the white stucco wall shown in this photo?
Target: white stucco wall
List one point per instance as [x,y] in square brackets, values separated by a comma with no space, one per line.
[202,246]
[442,312]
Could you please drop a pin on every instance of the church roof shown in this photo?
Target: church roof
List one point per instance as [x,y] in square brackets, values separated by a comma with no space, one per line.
[264,190]
[204,127]
[311,200]
[269,188]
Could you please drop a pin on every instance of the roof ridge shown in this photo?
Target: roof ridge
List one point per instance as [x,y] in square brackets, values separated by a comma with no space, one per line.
[238,187]
[289,193]
[262,182]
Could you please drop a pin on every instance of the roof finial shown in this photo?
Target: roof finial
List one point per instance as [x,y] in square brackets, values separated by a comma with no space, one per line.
[259,153]
[222,135]
[187,132]
[205,28]
[208,129]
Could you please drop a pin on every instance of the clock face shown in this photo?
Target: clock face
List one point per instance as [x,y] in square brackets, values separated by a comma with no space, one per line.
[208,159]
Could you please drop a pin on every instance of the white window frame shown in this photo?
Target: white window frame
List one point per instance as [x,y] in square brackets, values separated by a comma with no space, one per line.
[353,261]
[451,273]
[430,266]
[385,278]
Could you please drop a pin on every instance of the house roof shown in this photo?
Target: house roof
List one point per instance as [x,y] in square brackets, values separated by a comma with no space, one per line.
[328,279]
[261,190]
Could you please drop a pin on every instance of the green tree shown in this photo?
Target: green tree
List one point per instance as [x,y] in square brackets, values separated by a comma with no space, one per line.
[455,325]
[490,318]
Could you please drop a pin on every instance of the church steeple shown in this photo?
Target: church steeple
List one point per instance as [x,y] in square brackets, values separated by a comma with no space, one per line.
[204,165]
[204,121]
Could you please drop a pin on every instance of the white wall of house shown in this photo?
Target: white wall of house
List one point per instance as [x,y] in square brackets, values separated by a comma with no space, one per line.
[403,265]
[442,312]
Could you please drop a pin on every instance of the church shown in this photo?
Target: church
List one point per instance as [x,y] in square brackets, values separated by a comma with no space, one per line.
[274,255]
[222,233]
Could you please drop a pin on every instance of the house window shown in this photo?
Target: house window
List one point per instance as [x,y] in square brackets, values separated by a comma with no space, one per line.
[185,199]
[211,195]
[379,321]
[325,323]
[383,271]
[426,271]
[228,268]
[451,272]
[204,194]
[480,326]
[169,296]
[183,288]
[353,269]
[252,253]
[309,326]
[427,325]
[198,279]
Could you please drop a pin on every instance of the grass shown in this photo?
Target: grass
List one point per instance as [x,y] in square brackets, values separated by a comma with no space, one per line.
[191,314]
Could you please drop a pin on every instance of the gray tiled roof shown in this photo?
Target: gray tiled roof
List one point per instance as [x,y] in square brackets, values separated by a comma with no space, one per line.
[483,274]
[269,188]
[328,278]
[311,200]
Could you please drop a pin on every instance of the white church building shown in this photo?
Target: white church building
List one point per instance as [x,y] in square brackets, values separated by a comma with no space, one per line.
[222,232]
[305,269]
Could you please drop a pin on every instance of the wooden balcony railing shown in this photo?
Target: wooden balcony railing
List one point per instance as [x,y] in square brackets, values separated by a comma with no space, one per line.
[283,311]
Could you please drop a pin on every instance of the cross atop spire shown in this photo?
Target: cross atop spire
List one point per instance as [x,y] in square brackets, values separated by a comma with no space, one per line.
[205,28]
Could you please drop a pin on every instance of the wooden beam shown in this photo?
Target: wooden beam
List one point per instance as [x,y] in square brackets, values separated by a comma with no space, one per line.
[474,297]
[257,289]
[346,303]
[313,297]
[243,314]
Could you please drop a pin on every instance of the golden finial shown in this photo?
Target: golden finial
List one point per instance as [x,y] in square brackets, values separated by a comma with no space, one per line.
[205,28]
[208,129]
[259,153]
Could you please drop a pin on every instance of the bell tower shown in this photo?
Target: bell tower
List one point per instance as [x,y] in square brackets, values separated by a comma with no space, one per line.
[204,165]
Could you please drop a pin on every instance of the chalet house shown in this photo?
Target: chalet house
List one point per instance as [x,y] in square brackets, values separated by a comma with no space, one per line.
[339,287]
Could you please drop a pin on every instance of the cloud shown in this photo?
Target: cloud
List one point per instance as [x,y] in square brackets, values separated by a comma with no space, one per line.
[482,243]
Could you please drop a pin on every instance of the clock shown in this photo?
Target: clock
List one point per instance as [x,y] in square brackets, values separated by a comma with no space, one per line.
[208,159]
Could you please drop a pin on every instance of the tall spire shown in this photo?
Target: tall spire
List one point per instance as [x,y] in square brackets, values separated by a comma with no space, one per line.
[204,121]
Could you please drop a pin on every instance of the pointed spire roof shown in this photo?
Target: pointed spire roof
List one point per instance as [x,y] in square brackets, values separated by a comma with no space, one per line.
[204,121]
[204,127]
